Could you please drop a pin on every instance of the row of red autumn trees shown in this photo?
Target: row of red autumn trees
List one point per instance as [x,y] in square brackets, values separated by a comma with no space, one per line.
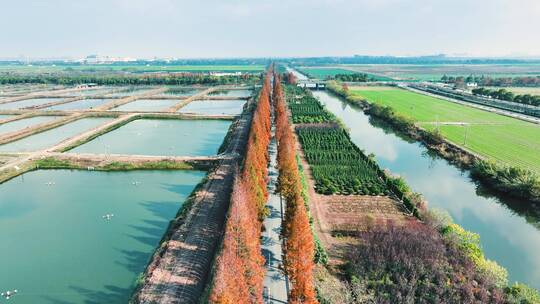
[240,267]
[299,243]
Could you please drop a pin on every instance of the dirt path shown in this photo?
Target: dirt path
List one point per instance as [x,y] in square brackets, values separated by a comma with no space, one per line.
[180,269]
[186,101]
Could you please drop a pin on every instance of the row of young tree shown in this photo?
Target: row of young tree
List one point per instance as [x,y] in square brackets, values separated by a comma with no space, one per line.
[521,81]
[296,230]
[132,79]
[503,94]
[240,267]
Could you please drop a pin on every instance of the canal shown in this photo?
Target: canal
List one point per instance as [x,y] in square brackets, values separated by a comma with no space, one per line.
[508,229]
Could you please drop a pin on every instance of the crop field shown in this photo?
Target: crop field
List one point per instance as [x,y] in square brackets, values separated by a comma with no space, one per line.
[129,68]
[425,72]
[337,165]
[491,135]
[307,109]
[326,72]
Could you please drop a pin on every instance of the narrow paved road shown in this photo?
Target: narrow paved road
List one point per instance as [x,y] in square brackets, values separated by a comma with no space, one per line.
[275,281]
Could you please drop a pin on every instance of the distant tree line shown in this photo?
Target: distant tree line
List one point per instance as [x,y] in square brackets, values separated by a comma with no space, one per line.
[526,81]
[356,77]
[114,79]
[508,96]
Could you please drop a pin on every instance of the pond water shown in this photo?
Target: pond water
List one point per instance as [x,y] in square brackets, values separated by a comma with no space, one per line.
[5,116]
[129,92]
[168,137]
[232,93]
[27,103]
[509,229]
[230,107]
[82,104]
[54,136]
[24,123]
[182,92]
[147,105]
[58,248]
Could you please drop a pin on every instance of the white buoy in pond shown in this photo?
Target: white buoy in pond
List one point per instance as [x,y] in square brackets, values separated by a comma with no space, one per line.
[108,216]
[8,294]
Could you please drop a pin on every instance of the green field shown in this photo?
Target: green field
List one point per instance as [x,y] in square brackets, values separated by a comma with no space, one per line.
[130,68]
[324,72]
[425,72]
[507,140]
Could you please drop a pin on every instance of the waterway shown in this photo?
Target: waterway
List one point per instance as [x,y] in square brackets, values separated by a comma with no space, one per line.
[509,230]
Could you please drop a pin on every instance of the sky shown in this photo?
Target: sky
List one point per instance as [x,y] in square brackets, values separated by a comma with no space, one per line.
[268,28]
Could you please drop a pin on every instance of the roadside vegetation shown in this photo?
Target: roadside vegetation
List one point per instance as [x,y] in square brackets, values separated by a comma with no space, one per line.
[503,94]
[428,260]
[509,159]
[487,81]
[129,79]
[299,242]
[239,271]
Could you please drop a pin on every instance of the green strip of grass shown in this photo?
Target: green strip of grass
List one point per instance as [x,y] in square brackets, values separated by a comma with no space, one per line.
[493,136]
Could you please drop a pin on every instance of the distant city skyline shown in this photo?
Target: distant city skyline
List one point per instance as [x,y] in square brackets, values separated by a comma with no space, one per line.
[242,28]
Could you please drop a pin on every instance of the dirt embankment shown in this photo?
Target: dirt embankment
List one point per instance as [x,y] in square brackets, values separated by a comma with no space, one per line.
[181,266]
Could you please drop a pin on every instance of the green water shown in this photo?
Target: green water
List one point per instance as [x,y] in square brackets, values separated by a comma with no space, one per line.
[27,103]
[53,136]
[161,137]
[80,104]
[147,105]
[57,248]
[231,107]
[24,123]
[232,93]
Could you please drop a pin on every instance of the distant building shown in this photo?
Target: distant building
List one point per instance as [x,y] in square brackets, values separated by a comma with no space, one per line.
[97,59]
[472,84]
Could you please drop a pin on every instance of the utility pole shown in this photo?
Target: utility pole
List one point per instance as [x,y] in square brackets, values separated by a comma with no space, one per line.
[465,136]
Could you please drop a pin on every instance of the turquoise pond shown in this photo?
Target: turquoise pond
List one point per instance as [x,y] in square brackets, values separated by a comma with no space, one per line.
[58,248]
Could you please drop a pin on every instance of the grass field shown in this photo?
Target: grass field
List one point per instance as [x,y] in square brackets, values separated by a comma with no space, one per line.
[423,72]
[131,68]
[507,140]
[325,72]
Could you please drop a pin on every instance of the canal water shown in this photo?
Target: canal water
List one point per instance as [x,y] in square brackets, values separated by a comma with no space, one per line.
[52,137]
[508,229]
[147,105]
[24,123]
[58,248]
[167,137]
[214,107]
